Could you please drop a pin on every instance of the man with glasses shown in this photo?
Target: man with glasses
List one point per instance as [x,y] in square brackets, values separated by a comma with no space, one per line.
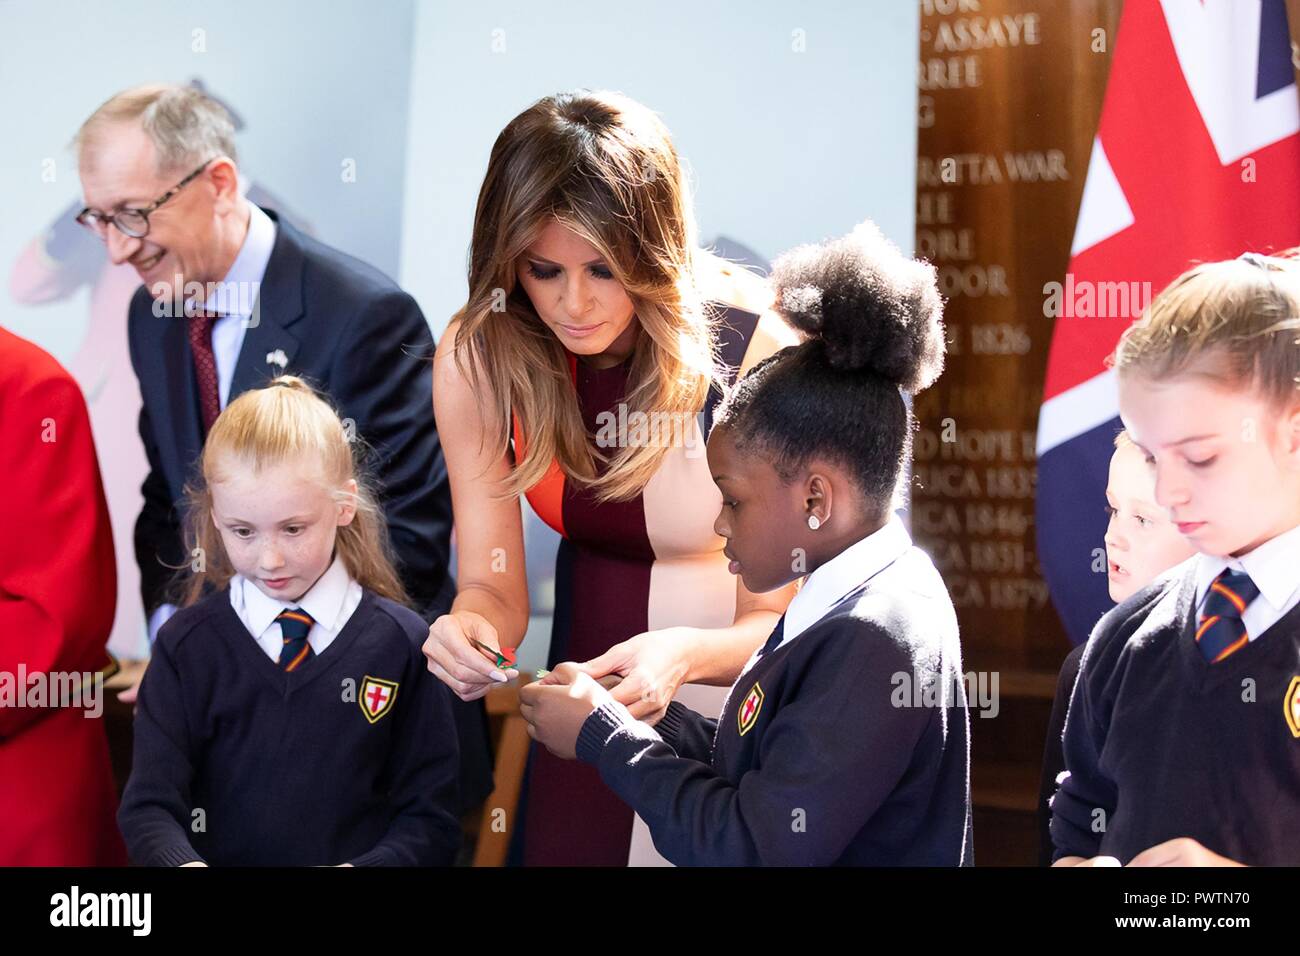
[233,296]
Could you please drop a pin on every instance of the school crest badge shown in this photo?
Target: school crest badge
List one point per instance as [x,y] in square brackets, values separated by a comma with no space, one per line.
[1291,706]
[376,697]
[749,709]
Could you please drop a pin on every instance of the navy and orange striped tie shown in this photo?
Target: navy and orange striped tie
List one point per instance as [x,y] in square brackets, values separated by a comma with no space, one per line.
[1220,632]
[295,624]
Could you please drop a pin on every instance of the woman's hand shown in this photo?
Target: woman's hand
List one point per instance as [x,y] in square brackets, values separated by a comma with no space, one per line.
[454,659]
[556,707]
[652,664]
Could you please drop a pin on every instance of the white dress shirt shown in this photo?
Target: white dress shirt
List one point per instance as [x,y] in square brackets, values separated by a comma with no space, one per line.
[841,576]
[243,285]
[330,602]
[1274,567]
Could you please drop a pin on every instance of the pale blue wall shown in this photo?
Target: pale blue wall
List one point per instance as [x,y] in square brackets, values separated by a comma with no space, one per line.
[785,147]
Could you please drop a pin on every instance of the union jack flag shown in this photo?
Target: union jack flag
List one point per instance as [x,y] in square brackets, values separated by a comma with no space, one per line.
[1196,158]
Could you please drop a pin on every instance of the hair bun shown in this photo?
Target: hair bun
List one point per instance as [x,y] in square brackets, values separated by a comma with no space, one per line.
[290,381]
[870,307]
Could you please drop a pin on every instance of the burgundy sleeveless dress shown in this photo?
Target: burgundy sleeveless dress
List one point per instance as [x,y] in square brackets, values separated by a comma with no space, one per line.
[623,568]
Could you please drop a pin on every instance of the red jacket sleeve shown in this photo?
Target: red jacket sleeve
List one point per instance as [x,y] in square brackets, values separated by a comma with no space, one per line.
[58,579]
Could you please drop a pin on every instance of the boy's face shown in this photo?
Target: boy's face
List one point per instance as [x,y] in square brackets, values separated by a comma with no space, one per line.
[1141,541]
[1226,466]
[278,526]
[760,516]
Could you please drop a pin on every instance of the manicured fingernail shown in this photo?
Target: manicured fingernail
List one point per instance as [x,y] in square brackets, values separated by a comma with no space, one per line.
[498,676]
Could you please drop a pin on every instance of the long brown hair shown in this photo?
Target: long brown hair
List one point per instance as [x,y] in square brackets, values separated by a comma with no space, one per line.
[287,421]
[604,166]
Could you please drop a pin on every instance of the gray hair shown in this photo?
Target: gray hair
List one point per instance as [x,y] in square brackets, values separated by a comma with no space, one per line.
[187,127]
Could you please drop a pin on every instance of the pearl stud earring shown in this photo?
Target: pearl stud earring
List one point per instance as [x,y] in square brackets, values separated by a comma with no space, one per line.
[814,522]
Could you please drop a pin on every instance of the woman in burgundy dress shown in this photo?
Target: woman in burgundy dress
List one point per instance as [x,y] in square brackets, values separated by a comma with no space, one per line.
[582,372]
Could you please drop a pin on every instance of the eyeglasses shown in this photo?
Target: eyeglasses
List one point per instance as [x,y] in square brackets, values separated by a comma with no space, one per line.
[132,222]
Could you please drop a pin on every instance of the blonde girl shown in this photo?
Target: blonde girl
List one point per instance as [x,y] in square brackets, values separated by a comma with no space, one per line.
[286,707]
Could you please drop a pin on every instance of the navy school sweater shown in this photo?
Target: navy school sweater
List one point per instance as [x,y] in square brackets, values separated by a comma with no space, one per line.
[286,768]
[1161,744]
[824,753]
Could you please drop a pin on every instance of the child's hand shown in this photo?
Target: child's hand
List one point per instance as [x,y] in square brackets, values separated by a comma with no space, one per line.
[1183,851]
[556,707]
[129,695]
[652,665]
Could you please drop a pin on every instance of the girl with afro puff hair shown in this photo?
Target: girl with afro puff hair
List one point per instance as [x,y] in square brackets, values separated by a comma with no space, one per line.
[845,740]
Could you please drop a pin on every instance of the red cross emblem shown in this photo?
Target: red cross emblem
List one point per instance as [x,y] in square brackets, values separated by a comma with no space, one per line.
[749,709]
[1291,706]
[376,698]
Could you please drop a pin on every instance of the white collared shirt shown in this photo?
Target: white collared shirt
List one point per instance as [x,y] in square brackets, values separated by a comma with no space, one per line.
[330,602]
[243,284]
[841,576]
[1274,567]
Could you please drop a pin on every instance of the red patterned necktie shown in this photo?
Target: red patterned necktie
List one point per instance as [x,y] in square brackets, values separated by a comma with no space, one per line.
[205,366]
[1220,632]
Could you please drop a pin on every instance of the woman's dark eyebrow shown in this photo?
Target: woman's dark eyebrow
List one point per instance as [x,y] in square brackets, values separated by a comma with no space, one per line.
[548,262]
